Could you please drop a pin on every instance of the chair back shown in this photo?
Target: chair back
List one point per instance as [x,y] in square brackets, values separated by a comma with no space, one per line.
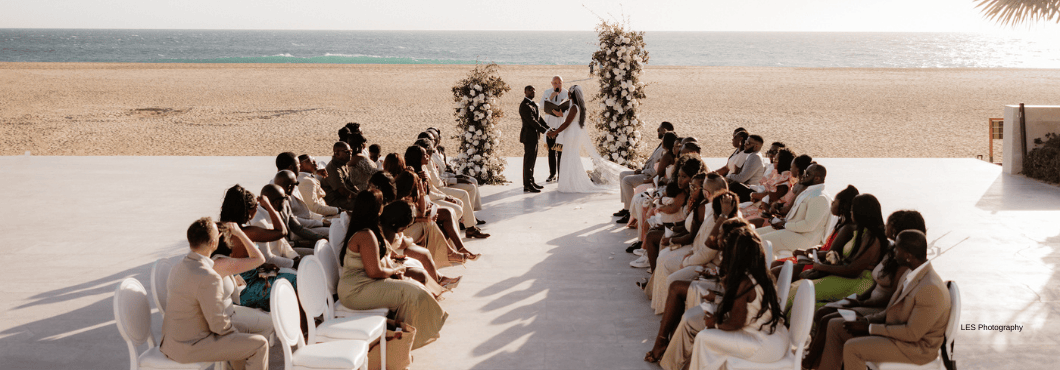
[802,316]
[311,286]
[784,283]
[768,246]
[132,314]
[337,232]
[955,317]
[159,278]
[283,307]
[330,264]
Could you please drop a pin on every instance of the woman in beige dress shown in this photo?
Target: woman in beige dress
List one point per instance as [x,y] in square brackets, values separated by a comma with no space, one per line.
[372,279]
[425,231]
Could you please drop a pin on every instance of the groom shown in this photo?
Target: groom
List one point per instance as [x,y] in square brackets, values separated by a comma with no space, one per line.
[533,126]
[555,95]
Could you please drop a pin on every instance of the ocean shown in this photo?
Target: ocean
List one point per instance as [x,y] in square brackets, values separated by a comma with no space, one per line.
[752,49]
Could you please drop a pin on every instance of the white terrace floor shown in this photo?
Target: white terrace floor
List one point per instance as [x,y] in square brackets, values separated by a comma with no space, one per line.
[553,290]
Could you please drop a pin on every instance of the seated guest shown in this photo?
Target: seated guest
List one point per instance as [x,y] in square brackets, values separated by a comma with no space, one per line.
[230,267]
[433,176]
[887,275]
[309,187]
[261,223]
[750,173]
[300,236]
[416,158]
[746,323]
[449,179]
[360,165]
[374,154]
[632,179]
[847,269]
[776,186]
[418,259]
[688,167]
[288,161]
[735,161]
[394,164]
[434,227]
[198,326]
[806,222]
[912,327]
[841,234]
[338,187]
[771,153]
[372,279]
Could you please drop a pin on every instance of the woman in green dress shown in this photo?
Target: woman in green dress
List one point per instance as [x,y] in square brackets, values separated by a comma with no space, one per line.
[372,279]
[852,274]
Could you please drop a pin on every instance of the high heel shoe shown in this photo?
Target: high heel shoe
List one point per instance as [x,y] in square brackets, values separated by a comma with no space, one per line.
[458,259]
[448,283]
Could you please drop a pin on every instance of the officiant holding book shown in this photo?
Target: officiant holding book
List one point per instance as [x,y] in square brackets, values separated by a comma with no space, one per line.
[554,118]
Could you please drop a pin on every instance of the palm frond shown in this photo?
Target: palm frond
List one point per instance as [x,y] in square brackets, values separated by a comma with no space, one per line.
[1014,12]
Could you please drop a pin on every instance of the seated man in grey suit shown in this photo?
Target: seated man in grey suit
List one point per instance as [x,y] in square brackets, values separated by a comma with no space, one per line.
[198,326]
[752,170]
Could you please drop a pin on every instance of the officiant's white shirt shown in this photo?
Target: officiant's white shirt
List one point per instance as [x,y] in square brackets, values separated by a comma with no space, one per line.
[552,121]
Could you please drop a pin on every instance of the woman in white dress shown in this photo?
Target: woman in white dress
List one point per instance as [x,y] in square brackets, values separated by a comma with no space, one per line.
[572,138]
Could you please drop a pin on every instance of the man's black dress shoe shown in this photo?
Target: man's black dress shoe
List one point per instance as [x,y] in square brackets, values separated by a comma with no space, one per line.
[537,186]
[623,220]
[531,190]
[551,179]
[633,247]
[624,212]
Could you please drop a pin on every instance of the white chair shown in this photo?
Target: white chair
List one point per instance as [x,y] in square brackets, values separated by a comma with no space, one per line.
[951,331]
[768,245]
[346,354]
[329,260]
[159,276]
[314,298]
[784,283]
[132,314]
[801,320]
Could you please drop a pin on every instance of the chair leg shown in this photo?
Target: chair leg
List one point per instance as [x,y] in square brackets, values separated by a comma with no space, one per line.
[382,350]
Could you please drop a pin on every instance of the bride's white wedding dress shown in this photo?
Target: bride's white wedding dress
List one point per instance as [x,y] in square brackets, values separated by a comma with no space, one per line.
[572,175]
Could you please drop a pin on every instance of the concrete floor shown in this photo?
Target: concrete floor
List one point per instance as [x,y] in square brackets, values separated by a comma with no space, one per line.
[553,289]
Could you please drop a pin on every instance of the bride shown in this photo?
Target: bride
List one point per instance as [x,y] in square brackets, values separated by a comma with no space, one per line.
[572,139]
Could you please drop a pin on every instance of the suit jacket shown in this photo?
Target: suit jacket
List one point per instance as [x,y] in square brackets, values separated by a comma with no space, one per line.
[811,215]
[916,317]
[195,307]
[533,124]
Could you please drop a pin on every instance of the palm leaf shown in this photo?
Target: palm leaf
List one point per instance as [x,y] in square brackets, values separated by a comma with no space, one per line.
[1013,12]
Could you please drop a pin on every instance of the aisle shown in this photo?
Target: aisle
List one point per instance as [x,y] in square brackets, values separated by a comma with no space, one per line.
[553,289]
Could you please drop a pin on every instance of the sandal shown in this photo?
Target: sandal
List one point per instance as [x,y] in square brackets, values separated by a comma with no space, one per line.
[458,259]
[470,256]
[650,357]
[448,283]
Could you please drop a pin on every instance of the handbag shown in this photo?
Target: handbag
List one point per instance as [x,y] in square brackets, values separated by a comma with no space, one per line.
[398,348]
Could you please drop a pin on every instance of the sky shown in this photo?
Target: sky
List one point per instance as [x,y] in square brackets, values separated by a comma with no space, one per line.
[645,15]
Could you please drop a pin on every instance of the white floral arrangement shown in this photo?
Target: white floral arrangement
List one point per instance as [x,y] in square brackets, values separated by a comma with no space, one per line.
[619,63]
[476,114]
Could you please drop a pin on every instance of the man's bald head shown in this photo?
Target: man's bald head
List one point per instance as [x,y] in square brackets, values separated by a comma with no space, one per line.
[286,180]
[914,242]
[274,193]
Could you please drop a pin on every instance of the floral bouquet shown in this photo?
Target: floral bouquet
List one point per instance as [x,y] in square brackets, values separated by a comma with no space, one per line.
[476,114]
[619,62]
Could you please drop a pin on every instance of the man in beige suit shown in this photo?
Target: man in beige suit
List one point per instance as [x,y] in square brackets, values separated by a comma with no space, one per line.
[806,222]
[197,327]
[912,327]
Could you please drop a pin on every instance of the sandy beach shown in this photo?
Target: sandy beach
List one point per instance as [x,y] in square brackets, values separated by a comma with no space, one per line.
[263,109]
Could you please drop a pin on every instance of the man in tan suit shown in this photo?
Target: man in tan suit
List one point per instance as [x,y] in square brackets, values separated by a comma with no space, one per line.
[912,327]
[197,327]
[807,221]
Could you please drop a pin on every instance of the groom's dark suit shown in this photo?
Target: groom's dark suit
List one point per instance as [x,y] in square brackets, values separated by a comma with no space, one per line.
[530,136]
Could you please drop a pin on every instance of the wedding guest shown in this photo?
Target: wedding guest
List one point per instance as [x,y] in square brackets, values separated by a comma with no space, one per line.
[372,279]
[912,327]
[775,186]
[805,224]
[288,180]
[301,236]
[689,167]
[847,269]
[374,155]
[450,179]
[632,179]
[339,189]
[886,275]
[416,157]
[197,326]
[394,164]
[431,221]
[309,187]
[226,264]
[466,192]
[840,235]
[553,119]
[750,173]
[735,161]
[361,166]
[674,248]
[260,221]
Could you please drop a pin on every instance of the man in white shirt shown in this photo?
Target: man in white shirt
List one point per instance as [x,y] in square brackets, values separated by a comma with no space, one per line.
[554,119]
[807,221]
[309,186]
[752,170]
[632,179]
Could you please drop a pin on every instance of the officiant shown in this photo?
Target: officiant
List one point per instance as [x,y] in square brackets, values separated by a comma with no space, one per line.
[554,118]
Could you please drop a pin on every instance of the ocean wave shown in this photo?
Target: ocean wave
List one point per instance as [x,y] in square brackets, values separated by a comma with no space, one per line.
[327,58]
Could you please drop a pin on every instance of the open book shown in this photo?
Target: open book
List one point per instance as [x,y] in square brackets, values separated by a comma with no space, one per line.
[562,107]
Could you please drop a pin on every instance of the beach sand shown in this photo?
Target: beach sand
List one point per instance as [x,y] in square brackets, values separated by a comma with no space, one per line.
[264,109]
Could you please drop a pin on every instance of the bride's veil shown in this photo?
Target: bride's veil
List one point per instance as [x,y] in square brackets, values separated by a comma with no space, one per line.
[605,172]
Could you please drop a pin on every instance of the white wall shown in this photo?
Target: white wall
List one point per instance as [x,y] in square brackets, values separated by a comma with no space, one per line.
[1041,119]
